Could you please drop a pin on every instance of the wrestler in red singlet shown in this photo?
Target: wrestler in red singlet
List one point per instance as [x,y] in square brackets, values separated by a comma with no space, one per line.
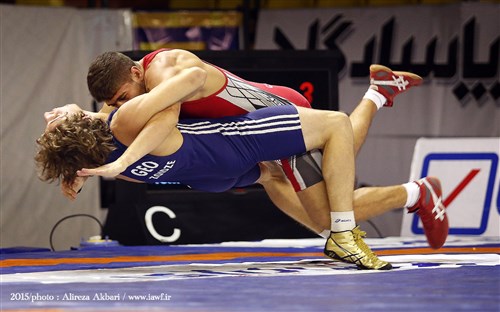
[239,96]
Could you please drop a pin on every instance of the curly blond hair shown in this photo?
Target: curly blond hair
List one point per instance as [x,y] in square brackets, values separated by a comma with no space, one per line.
[78,142]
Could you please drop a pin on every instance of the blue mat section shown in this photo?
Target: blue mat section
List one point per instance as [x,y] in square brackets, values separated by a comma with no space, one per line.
[461,289]
[17,250]
[253,277]
[116,255]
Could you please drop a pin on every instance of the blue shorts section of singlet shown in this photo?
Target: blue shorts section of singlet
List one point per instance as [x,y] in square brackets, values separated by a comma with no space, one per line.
[220,154]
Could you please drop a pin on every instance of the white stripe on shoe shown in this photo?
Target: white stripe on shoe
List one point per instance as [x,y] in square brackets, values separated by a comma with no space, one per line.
[439,208]
[398,81]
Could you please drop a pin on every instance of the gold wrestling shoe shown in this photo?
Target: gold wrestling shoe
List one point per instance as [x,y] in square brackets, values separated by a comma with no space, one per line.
[348,246]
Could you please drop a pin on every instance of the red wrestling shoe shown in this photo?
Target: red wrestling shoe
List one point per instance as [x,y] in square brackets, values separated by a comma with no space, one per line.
[431,211]
[389,83]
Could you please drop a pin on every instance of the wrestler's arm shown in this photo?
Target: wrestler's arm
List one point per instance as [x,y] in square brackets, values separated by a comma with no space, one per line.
[165,92]
[155,132]
[135,113]
[131,117]
[170,83]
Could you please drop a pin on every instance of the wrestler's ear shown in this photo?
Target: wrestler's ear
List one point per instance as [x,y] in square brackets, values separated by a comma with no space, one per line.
[137,74]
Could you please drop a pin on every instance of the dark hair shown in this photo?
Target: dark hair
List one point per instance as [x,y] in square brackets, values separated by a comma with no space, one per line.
[107,73]
[78,142]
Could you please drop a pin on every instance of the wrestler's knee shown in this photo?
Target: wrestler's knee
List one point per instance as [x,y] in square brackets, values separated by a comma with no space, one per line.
[338,120]
[334,123]
[319,127]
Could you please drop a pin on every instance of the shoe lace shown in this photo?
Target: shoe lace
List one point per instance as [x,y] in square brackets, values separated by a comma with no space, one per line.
[439,208]
[358,238]
[400,82]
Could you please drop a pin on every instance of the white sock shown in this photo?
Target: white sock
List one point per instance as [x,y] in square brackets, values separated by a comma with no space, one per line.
[375,97]
[342,221]
[412,193]
[325,234]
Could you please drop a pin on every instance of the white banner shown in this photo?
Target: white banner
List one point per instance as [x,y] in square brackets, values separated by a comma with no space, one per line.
[469,174]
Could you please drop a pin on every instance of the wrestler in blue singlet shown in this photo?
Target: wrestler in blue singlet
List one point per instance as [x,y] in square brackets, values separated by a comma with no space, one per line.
[219,154]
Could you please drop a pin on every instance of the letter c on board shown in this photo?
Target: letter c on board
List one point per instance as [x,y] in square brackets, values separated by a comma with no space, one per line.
[148,217]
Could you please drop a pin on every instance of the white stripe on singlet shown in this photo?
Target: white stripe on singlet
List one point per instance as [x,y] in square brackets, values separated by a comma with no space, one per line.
[247,127]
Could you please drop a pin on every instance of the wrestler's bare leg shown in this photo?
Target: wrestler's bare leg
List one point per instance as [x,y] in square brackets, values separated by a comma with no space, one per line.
[361,119]
[309,207]
[369,202]
[317,200]
[332,133]
[313,197]
[281,192]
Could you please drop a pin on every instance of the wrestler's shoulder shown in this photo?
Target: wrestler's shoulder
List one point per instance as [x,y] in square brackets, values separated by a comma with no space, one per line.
[176,57]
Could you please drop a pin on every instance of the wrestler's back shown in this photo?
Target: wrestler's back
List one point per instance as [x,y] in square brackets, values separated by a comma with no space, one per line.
[224,93]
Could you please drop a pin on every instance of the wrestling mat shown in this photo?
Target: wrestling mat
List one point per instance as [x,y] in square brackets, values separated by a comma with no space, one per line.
[271,275]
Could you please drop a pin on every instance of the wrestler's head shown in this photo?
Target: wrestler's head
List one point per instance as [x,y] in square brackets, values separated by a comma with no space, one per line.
[73,139]
[115,78]
[59,114]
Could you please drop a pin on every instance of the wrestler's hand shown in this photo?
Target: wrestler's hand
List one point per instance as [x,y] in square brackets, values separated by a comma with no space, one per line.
[109,170]
[270,170]
[70,190]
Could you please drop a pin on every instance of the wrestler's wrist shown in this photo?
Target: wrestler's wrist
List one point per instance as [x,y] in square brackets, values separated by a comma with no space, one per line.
[121,165]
